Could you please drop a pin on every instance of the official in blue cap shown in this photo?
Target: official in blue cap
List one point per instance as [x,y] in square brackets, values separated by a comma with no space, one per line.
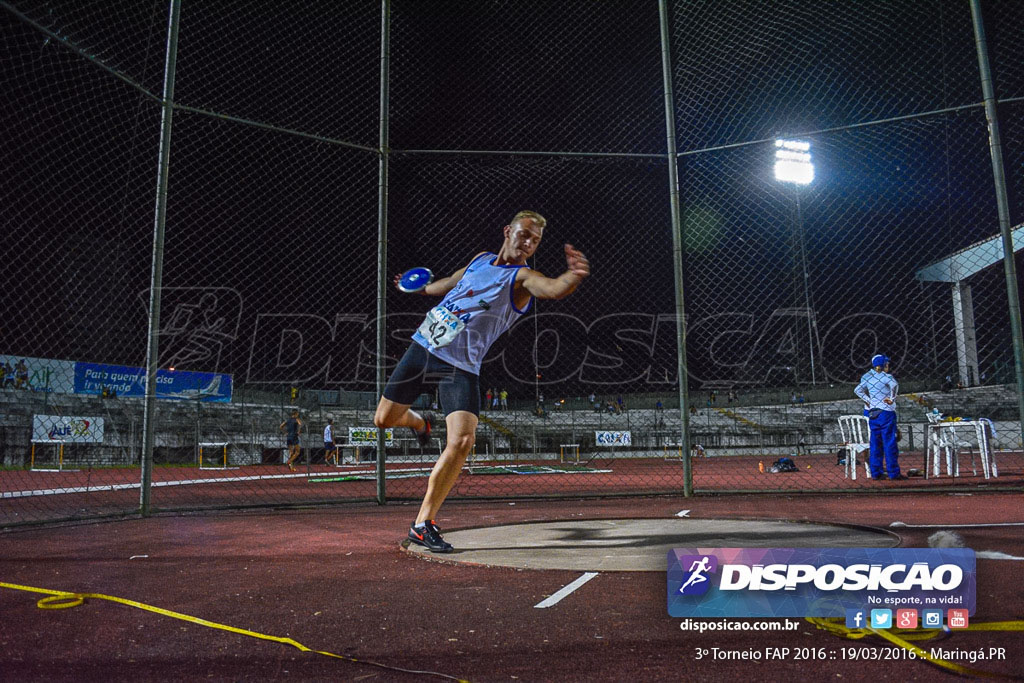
[878,389]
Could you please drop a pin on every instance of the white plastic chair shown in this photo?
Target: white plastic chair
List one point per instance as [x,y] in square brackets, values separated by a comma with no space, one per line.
[856,439]
[943,442]
[960,444]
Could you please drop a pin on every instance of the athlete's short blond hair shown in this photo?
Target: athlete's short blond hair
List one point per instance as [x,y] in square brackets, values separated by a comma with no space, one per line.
[533,215]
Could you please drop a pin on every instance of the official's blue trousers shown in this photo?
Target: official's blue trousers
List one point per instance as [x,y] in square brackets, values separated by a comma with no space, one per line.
[883,441]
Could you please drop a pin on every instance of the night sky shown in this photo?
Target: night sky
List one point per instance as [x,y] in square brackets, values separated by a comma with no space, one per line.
[277,222]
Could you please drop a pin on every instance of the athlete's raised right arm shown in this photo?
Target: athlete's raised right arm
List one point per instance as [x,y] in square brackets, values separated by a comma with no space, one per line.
[444,285]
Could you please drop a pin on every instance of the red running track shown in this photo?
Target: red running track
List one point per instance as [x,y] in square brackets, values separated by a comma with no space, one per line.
[42,496]
[337,579]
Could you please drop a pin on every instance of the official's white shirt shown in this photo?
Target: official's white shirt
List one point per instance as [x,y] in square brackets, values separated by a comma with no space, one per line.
[875,387]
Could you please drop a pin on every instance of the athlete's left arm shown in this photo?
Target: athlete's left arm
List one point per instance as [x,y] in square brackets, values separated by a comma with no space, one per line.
[542,287]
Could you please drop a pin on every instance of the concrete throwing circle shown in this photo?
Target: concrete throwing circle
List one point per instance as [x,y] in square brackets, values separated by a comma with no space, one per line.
[638,544]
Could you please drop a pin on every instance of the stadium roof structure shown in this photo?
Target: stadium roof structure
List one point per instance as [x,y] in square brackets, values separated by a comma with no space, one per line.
[955,269]
[970,260]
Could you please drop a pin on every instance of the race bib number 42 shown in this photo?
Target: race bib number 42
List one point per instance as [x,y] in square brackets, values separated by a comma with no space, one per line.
[440,327]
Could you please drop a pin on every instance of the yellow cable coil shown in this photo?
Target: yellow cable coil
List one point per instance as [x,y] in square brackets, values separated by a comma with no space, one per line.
[65,599]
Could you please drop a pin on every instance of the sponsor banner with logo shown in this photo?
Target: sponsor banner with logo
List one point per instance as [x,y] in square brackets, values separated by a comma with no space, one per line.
[67,428]
[817,582]
[37,374]
[367,436]
[91,378]
[613,438]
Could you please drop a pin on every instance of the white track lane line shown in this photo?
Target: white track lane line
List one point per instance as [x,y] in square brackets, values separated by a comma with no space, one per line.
[557,597]
[995,555]
[901,525]
[95,488]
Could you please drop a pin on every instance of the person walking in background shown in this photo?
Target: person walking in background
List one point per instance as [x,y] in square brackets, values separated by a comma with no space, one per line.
[330,448]
[878,389]
[291,428]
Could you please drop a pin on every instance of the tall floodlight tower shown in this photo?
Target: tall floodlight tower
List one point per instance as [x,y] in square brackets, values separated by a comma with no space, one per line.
[793,166]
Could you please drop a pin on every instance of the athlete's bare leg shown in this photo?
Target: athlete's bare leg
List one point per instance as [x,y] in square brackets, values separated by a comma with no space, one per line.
[293,455]
[391,414]
[461,437]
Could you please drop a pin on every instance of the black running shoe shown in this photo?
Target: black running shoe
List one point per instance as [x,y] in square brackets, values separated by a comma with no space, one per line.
[423,437]
[429,539]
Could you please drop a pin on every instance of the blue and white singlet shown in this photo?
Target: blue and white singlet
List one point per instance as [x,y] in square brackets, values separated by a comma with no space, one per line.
[483,300]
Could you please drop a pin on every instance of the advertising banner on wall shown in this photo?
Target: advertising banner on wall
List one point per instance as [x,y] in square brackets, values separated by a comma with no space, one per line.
[613,438]
[67,428]
[367,436]
[37,374]
[92,378]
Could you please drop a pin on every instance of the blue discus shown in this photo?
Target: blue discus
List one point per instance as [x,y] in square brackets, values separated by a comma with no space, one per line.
[415,279]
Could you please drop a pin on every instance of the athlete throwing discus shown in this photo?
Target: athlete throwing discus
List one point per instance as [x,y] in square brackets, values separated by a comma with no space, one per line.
[480,302]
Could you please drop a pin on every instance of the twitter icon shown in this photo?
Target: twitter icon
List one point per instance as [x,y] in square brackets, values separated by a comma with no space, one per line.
[881,618]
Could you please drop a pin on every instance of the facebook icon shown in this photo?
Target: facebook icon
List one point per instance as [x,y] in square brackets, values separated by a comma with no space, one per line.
[854,618]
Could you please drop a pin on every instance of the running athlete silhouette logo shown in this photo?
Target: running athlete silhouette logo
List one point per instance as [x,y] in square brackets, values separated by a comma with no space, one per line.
[700,566]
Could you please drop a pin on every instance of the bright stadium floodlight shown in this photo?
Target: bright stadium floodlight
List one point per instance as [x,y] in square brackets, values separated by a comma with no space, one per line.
[793,162]
[793,165]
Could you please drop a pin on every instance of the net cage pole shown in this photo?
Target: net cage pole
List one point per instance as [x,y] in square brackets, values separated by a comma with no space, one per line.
[156,278]
[382,231]
[677,246]
[995,146]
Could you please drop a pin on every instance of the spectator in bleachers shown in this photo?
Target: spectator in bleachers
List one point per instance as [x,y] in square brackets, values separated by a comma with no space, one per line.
[490,397]
[504,399]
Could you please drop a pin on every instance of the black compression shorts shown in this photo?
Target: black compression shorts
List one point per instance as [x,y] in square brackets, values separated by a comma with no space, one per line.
[456,388]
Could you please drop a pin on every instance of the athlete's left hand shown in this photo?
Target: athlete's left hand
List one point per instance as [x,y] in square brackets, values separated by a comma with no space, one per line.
[577,263]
